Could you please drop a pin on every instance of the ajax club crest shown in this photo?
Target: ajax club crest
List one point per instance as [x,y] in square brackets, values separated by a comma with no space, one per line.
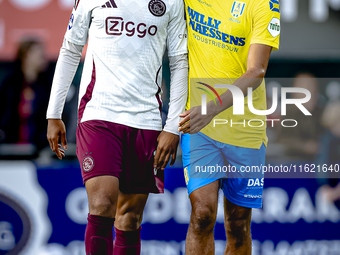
[237,9]
[88,163]
[157,7]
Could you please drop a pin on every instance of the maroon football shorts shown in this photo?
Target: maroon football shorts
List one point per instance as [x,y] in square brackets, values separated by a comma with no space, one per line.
[106,148]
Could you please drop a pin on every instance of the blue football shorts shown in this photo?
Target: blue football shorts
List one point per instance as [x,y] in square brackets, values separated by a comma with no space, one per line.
[239,169]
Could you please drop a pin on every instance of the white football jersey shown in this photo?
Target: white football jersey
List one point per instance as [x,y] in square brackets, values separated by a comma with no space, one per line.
[122,74]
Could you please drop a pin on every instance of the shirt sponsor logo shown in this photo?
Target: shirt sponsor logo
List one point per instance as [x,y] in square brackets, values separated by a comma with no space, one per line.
[237,9]
[157,8]
[209,27]
[117,26]
[274,27]
[274,5]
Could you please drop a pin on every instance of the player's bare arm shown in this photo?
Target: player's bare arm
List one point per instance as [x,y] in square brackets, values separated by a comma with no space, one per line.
[193,121]
[169,138]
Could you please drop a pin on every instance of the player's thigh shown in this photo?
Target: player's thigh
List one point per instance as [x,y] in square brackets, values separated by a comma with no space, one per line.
[100,148]
[99,151]
[130,209]
[244,186]
[138,175]
[102,192]
[200,158]
[198,150]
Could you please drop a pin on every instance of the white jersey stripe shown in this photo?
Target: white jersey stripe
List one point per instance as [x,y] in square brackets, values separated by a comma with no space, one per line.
[88,95]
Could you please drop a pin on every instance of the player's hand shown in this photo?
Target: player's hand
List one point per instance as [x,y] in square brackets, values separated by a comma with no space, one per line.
[193,121]
[55,130]
[167,146]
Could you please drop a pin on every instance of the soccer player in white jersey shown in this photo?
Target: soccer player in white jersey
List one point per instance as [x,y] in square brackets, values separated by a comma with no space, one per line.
[119,118]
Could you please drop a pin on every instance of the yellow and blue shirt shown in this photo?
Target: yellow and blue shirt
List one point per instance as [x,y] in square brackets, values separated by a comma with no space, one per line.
[219,36]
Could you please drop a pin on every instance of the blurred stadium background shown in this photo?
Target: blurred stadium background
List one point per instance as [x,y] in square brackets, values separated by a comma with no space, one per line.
[43,206]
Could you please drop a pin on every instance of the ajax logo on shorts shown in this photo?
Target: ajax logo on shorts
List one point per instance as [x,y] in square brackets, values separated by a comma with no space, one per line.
[88,163]
[157,7]
[237,9]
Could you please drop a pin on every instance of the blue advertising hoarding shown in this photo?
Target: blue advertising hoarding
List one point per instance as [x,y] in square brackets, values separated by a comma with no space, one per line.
[43,210]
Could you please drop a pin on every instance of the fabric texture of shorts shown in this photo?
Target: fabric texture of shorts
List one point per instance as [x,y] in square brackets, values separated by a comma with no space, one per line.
[106,148]
[239,185]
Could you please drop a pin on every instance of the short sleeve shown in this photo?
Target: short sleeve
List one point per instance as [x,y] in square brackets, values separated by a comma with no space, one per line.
[177,30]
[266,23]
[78,26]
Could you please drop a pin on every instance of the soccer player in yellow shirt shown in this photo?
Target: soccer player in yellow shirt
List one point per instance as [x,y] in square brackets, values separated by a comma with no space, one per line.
[230,43]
